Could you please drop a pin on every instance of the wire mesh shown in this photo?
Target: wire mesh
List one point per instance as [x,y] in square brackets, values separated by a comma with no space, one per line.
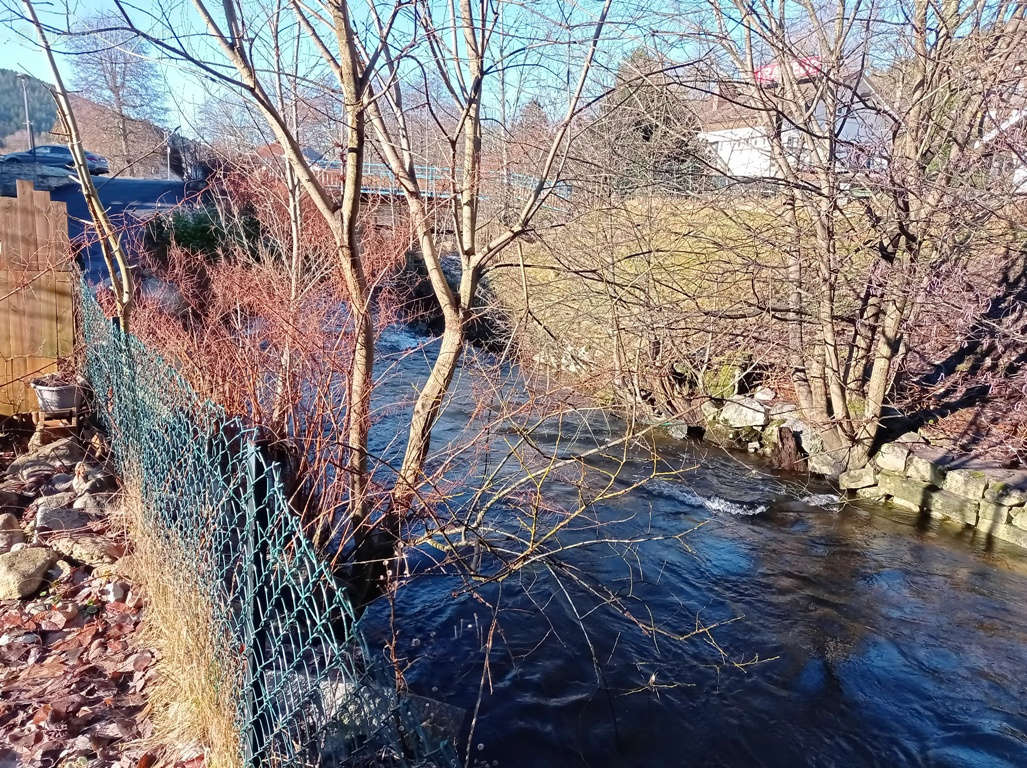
[305,690]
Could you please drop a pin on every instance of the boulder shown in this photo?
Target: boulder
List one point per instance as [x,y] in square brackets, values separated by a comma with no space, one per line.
[968,483]
[740,411]
[892,458]
[11,498]
[67,451]
[783,411]
[1018,517]
[857,478]
[91,502]
[764,394]
[89,548]
[904,492]
[947,504]
[22,571]
[10,532]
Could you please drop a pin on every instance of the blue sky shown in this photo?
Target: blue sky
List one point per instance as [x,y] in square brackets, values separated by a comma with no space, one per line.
[545,72]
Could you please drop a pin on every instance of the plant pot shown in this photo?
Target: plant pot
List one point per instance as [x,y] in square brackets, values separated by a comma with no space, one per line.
[62,397]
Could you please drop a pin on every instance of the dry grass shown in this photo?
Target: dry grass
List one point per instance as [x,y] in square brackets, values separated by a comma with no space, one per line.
[191,698]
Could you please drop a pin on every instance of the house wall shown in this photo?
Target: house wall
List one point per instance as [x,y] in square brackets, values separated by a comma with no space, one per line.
[743,152]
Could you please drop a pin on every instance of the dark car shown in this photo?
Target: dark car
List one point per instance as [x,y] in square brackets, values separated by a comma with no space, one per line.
[55,154]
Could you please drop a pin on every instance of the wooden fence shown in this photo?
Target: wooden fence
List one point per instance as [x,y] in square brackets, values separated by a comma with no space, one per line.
[36,293]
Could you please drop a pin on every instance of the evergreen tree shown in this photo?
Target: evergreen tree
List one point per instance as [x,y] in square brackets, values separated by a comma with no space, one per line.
[42,109]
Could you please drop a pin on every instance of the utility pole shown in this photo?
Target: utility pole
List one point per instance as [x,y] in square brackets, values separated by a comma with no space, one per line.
[23,79]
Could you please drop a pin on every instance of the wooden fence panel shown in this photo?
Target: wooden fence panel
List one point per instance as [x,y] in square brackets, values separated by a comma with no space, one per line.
[37,288]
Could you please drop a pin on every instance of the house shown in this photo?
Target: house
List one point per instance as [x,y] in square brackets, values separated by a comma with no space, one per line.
[738,119]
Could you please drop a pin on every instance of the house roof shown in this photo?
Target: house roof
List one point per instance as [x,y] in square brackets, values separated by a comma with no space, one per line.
[720,114]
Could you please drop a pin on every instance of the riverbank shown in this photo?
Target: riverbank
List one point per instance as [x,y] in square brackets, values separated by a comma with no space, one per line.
[74,666]
[908,472]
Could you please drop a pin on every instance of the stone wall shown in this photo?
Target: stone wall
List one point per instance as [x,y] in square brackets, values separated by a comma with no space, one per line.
[909,472]
[914,475]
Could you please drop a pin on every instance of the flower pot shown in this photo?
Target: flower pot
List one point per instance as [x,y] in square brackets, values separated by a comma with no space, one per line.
[62,397]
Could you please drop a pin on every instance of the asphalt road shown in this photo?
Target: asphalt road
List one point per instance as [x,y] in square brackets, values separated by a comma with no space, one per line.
[129,202]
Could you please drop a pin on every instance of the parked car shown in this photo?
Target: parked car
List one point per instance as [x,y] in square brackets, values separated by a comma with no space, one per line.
[55,154]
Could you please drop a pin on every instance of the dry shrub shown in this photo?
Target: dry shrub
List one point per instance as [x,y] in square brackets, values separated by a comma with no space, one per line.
[192,695]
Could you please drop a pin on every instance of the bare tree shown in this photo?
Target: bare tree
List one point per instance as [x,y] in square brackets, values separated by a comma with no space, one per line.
[115,69]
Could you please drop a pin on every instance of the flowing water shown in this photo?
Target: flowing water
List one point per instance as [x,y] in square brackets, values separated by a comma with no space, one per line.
[859,635]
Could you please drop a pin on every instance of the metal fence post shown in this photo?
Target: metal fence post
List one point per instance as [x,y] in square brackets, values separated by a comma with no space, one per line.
[250,745]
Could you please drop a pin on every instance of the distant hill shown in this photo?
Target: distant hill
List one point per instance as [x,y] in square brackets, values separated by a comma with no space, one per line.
[42,110]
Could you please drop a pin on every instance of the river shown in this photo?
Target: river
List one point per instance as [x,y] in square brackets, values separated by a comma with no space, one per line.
[859,634]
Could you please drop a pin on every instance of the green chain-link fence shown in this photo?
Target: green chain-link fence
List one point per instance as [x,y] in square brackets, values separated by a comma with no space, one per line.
[305,691]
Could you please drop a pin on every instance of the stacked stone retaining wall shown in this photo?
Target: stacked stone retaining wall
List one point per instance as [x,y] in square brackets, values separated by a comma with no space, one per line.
[914,475]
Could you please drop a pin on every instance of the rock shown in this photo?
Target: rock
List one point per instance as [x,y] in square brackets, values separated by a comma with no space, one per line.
[740,411]
[1009,533]
[89,548]
[753,447]
[67,452]
[50,519]
[990,511]
[910,439]
[10,532]
[784,411]
[1008,488]
[89,502]
[892,458]
[826,464]
[1018,517]
[710,411]
[12,499]
[61,482]
[764,394]
[947,504]
[872,493]
[54,501]
[904,492]
[857,478]
[59,571]
[968,483]
[114,592]
[926,467]
[22,571]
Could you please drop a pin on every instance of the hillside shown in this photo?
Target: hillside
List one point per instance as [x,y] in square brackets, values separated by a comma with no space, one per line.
[42,110]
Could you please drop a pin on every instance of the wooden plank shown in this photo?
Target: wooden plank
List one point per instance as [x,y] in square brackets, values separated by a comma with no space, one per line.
[64,294]
[37,317]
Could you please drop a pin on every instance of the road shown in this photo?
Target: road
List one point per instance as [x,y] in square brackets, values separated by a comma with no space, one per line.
[128,202]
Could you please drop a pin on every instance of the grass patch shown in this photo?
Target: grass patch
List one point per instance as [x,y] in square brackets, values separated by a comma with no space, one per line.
[192,697]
